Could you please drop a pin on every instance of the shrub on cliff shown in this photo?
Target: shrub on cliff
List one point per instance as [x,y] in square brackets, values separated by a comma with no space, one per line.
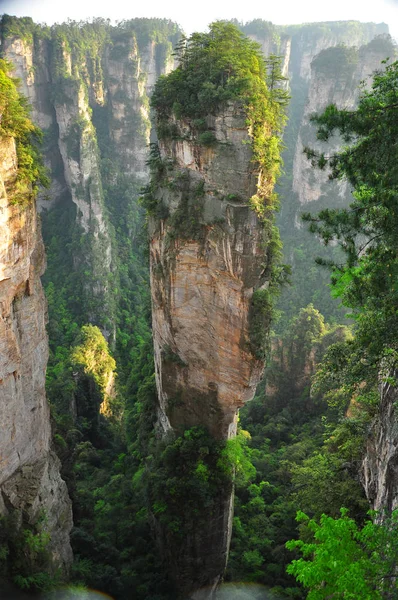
[219,67]
[15,122]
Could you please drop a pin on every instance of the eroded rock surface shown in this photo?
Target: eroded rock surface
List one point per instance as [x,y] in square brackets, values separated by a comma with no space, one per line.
[208,255]
[30,482]
[380,465]
[332,81]
[207,258]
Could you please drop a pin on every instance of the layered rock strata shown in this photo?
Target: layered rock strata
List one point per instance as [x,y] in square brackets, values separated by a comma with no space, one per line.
[91,100]
[208,254]
[30,482]
[207,258]
[336,77]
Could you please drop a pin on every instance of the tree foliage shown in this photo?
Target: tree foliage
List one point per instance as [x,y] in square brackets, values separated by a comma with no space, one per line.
[223,66]
[15,123]
[367,281]
[346,561]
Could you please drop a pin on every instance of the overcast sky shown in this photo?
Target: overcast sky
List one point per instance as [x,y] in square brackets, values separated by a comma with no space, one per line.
[195,15]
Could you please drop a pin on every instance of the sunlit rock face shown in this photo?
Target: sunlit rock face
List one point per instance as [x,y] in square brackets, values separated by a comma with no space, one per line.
[203,274]
[206,257]
[30,482]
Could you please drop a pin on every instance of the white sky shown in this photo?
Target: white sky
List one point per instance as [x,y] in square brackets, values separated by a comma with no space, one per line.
[194,15]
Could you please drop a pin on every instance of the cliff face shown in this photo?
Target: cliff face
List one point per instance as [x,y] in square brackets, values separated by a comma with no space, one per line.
[30,482]
[336,75]
[380,465]
[211,259]
[206,261]
[207,247]
[91,100]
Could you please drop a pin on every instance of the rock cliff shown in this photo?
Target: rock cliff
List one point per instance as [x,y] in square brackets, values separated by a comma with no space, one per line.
[380,465]
[336,75]
[212,255]
[30,483]
[88,85]
[207,258]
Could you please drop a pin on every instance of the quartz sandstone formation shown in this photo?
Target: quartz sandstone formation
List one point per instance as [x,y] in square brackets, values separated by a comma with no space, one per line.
[30,482]
[331,82]
[380,465]
[70,98]
[206,258]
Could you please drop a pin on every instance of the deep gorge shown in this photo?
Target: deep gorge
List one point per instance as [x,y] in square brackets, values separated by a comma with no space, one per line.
[142,443]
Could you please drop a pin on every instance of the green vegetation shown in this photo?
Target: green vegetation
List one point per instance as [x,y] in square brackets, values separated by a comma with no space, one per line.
[305,449]
[22,27]
[92,354]
[102,453]
[340,559]
[365,282]
[336,62]
[24,554]
[261,313]
[302,438]
[345,561]
[217,68]
[186,480]
[15,123]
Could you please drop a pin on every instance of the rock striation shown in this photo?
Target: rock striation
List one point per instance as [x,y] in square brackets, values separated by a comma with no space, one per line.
[30,481]
[207,258]
[89,93]
[209,255]
[380,466]
[336,77]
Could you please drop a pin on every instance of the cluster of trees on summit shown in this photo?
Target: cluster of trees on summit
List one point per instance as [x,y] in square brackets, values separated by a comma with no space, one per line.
[301,440]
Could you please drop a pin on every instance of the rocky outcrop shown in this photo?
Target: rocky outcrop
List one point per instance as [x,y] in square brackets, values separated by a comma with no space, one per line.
[380,466]
[207,259]
[336,75]
[91,100]
[30,482]
[208,255]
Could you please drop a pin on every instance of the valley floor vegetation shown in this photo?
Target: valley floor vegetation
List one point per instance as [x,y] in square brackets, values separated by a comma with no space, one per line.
[301,440]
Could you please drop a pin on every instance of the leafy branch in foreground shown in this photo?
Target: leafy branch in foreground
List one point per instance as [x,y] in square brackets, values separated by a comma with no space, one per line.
[345,561]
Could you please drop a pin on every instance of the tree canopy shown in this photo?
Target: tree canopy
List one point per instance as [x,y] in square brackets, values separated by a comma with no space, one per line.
[15,122]
[221,66]
[346,561]
[367,281]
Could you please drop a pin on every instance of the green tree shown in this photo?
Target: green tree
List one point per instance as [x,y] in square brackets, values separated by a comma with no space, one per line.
[367,281]
[15,123]
[343,561]
[221,66]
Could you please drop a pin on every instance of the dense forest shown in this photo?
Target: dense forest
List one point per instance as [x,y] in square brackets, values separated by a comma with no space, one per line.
[112,101]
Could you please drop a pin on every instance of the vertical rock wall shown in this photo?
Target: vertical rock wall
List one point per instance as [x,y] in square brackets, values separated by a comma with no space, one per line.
[208,254]
[30,482]
[81,96]
[207,259]
[336,75]
[380,466]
